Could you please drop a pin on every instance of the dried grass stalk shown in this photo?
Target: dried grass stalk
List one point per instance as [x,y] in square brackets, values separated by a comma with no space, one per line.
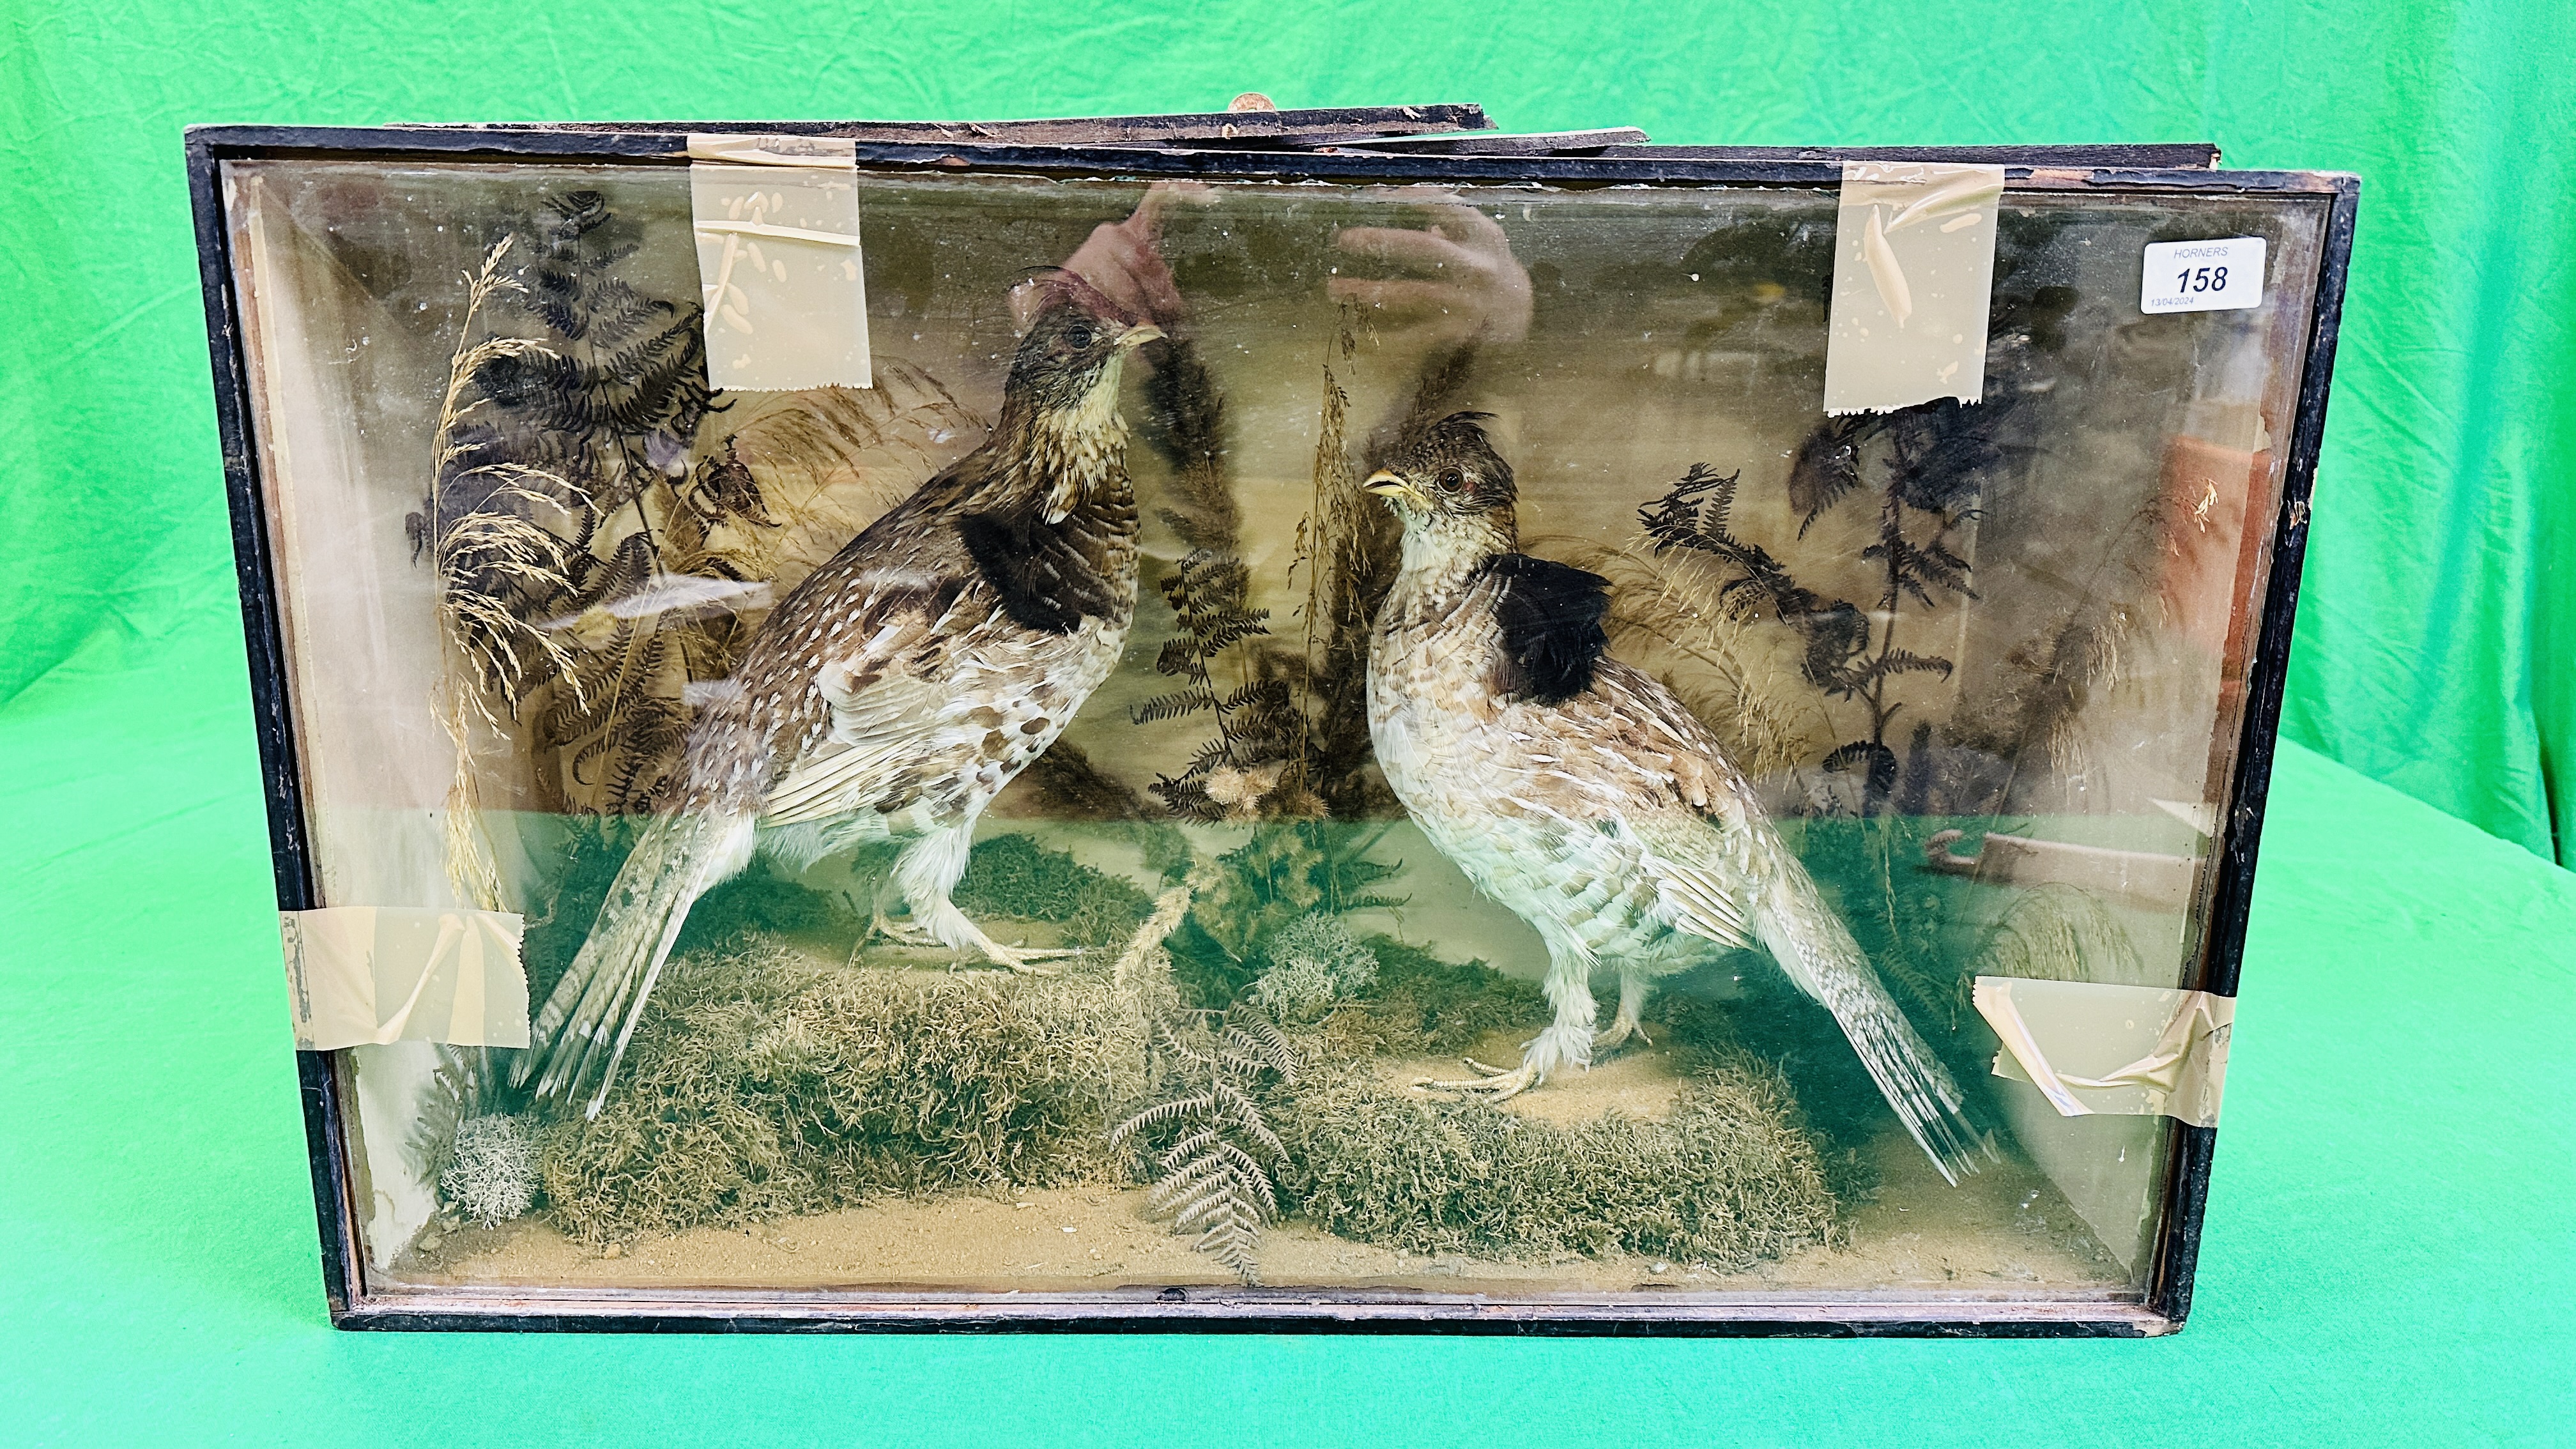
[488,556]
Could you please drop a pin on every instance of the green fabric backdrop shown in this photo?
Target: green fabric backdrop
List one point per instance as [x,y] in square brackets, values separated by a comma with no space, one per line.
[2437,636]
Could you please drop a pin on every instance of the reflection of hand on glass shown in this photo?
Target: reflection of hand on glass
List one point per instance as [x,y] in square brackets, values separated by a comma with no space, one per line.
[1122,260]
[1463,283]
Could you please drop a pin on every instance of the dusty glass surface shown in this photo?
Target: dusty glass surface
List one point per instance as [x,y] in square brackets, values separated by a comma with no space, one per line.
[541,586]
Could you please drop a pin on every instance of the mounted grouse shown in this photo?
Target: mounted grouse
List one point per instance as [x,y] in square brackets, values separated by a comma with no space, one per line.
[1581,794]
[897,689]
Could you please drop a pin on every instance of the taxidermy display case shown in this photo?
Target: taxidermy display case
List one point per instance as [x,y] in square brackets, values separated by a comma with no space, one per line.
[1318,719]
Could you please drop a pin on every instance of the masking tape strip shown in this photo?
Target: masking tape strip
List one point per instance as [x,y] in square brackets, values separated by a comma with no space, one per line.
[838,153]
[2093,1048]
[1914,271]
[368,975]
[780,272]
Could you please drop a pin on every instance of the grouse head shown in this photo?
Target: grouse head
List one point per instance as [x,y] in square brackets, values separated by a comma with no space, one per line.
[1446,481]
[1066,371]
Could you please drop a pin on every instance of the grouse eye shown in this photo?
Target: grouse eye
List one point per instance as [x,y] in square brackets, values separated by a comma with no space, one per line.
[1079,338]
[1451,480]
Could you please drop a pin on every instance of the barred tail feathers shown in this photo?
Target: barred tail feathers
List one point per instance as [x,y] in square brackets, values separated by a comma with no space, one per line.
[1820,957]
[582,1030]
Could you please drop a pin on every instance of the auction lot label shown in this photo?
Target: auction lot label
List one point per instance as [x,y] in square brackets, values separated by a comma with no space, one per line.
[2203,276]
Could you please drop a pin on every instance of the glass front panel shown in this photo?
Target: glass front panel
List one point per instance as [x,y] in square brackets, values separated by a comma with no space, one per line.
[1477,786]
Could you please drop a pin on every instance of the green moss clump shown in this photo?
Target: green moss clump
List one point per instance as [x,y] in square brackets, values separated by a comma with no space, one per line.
[756,903]
[1008,876]
[1421,1005]
[1288,870]
[759,904]
[1167,850]
[1448,1005]
[1014,876]
[1727,1179]
[765,1083]
[1770,1021]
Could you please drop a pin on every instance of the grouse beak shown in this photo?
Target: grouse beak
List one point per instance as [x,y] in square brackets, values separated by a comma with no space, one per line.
[1385,484]
[1139,335]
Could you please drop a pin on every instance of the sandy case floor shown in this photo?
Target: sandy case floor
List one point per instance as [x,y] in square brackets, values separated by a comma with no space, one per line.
[2003,1233]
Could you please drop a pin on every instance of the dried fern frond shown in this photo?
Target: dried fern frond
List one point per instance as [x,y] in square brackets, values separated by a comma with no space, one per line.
[613,558]
[1245,772]
[1177,1107]
[1933,461]
[1209,1073]
[1257,1045]
[1291,731]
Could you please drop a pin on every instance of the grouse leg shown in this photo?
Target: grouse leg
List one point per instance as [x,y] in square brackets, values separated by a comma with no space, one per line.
[927,871]
[1632,1000]
[882,926]
[1566,1042]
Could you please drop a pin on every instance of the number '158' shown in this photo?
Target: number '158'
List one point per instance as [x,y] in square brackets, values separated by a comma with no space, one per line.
[2202,279]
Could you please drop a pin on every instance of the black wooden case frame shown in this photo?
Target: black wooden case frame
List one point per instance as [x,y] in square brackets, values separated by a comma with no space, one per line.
[1396,145]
